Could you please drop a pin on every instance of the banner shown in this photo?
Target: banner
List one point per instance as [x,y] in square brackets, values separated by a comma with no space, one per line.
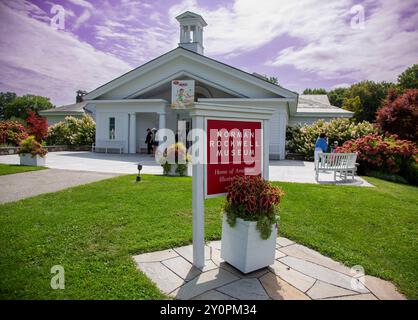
[182,94]
[233,148]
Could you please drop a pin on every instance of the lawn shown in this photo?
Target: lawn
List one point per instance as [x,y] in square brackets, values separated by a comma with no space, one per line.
[15,168]
[93,230]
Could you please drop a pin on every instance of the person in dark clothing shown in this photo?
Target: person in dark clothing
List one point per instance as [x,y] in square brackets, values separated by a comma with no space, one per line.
[148,140]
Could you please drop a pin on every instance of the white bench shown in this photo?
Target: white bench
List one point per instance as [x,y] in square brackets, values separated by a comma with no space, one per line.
[108,144]
[342,163]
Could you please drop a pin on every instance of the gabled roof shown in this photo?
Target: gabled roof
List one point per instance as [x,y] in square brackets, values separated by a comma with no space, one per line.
[179,51]
[311,104]
[76,108]
[191,15]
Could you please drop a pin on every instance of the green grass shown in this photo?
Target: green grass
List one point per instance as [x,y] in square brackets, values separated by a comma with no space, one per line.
[93,231]
[14,168]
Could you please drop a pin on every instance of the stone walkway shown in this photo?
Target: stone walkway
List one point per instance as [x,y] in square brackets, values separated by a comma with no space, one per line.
[297,273]
[284,170]
[18,186]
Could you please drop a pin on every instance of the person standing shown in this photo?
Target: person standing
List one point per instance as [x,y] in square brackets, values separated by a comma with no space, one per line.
[321,145]
[148,141]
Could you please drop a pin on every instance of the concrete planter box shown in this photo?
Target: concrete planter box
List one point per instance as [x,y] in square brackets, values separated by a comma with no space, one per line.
[243,248]
[26,159]
[172,171]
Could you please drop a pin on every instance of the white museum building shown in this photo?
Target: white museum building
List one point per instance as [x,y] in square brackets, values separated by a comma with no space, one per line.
[126,106]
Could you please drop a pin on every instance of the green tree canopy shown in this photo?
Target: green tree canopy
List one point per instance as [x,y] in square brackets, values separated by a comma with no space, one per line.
[19,106]
[315,91]
[336,96]
[409,78]
[371,96]
[5,98]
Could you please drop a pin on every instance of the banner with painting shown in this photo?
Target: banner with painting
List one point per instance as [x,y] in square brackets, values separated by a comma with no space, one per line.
[182,94]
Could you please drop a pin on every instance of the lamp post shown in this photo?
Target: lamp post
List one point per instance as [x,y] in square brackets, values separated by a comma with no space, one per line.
[138,177]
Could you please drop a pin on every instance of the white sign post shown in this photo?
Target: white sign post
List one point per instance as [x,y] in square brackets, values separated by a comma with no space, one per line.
[199,113]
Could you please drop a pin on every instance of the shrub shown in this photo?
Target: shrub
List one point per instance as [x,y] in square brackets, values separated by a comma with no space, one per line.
[255,199]
[12,132]
[37,126]
[72,131]
[386,154]
[30,145]
[301,139]
[399,115]
[175,154]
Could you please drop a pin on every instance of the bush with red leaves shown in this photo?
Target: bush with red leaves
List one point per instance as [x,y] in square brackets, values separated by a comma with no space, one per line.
[255,199]
[11,133]
[399,115]
[37,126]
[381,153]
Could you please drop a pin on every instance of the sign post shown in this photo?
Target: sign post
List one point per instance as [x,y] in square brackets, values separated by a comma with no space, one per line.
[226,141]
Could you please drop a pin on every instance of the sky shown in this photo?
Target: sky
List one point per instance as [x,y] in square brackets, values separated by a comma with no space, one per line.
[53,48]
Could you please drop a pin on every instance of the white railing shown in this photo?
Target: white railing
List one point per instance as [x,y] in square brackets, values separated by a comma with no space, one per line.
[342,163]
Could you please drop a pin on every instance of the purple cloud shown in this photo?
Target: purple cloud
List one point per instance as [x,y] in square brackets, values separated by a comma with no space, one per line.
[304,43]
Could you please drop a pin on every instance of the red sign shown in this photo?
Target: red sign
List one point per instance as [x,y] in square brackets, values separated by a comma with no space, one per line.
[233,148]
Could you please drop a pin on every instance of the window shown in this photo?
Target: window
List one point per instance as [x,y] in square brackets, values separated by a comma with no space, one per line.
[112,128]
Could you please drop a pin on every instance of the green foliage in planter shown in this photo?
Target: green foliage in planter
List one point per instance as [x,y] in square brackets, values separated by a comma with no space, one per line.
[72,132]
[181,168]
[301,139]
[252,198]
[173,155]
[166,168]
[31,146]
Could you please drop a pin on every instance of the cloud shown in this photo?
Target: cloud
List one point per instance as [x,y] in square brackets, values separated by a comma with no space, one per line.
[326,43]
[50,62]
[82,3]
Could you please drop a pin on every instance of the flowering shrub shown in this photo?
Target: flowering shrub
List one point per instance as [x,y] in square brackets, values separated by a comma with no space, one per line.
[72,131]
[30,145]
[399,114]
[386,154]
[301,139]
[175,154]
[37,126]
[255,199]
[12,132]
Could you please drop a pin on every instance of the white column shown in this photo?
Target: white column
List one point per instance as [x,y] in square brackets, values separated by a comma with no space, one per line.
[198,204]
[132,133]
[187,34]
[266,148]
[161,121]
[282,136]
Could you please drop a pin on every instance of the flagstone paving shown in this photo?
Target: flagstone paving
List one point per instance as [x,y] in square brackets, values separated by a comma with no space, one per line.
[298,273]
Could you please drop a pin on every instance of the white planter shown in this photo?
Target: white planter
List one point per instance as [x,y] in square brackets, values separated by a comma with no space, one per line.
[243,247]
[172,171]
[26,159]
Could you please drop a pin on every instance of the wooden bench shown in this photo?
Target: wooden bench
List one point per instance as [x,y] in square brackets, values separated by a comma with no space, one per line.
[342,163]
[108,144]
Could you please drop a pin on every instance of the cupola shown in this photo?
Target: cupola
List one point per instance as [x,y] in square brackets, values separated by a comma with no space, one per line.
[191,31]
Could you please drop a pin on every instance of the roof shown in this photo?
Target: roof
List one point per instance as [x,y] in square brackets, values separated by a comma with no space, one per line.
[191,15]
[76,108]
[173,53]
[318,104]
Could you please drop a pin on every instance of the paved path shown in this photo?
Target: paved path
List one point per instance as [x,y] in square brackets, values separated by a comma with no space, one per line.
[298,273]
[285,170]
[18,186]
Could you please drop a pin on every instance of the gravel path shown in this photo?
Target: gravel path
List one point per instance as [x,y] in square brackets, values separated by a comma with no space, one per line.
[18,186]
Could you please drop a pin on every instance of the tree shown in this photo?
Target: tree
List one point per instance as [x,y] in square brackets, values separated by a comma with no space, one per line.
[371,95]
[399,114]
[20,106]
[336,96]
[37,126]
[5,98]
[409,78]
[315,91]
[273,80]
